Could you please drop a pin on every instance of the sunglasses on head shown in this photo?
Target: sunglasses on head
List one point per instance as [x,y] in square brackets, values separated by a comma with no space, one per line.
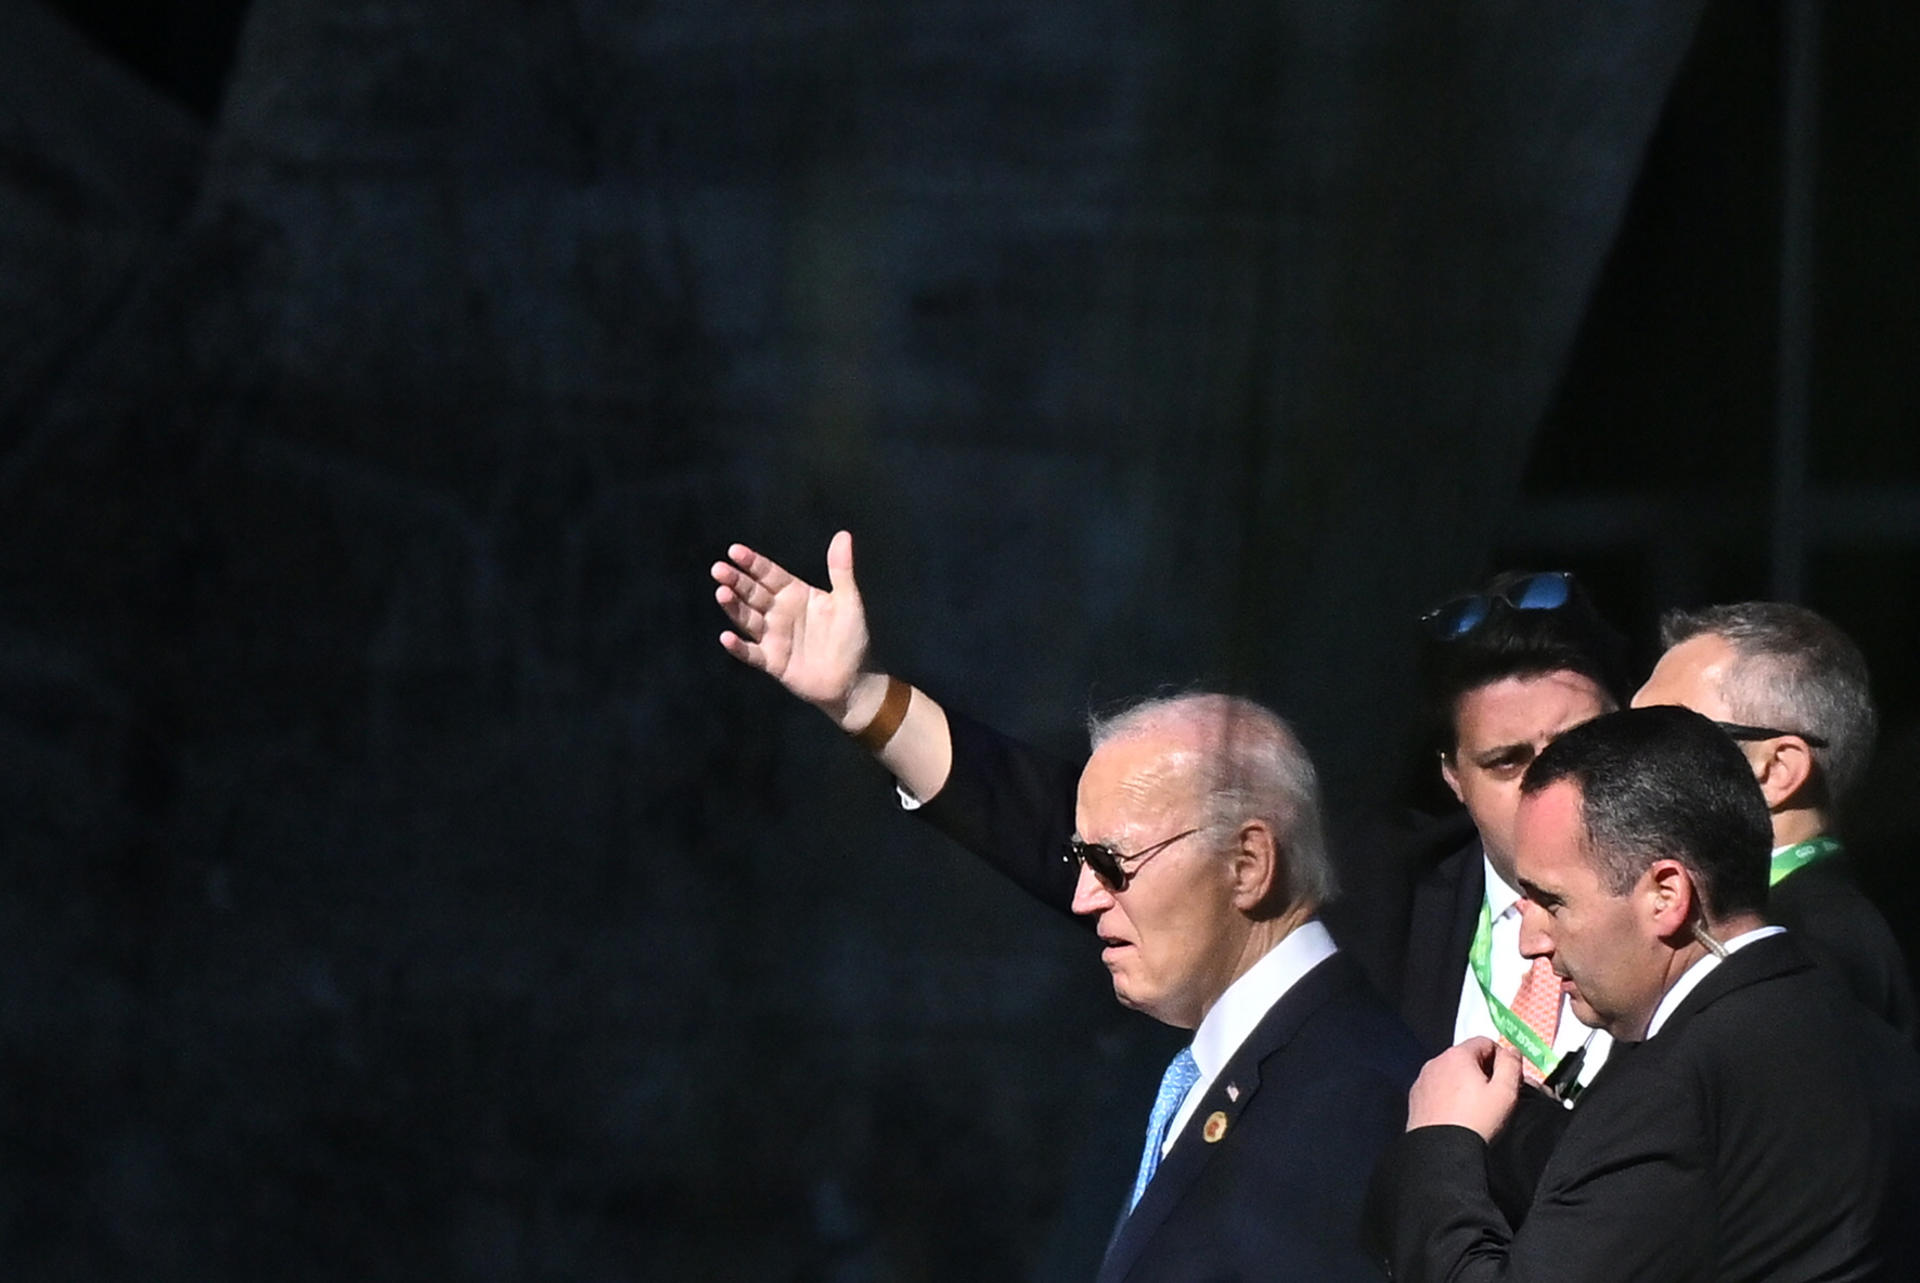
[1106,862]
[1458,616]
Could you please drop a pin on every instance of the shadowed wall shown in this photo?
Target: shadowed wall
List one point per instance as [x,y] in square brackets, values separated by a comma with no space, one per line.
[399,881]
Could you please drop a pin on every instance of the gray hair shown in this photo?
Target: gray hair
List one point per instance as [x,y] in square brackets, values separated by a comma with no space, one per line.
[1254,769]
[1794,670]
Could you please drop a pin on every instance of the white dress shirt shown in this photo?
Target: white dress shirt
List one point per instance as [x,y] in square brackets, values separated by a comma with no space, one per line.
[1690,978]
[1244,1005]
[1506,968]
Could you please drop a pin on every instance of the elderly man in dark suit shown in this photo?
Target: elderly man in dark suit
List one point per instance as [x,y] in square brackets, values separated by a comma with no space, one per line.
[1199,863]
[1747,1126]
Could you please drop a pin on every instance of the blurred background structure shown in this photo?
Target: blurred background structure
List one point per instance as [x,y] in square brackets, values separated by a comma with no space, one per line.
[398,882]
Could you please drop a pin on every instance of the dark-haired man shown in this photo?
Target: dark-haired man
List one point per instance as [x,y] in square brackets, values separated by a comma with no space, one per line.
[1505,671]
[1793,690]
[1749,1128]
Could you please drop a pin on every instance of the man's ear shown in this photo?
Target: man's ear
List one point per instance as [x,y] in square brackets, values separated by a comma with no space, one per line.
[1450,775]
[1670,897]
[1257,873]
[1784,768]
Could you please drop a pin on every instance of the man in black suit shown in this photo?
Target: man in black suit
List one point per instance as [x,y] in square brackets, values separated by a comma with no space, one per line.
[1793,690]
[1747,1127]
[1199,863]
[1505,670]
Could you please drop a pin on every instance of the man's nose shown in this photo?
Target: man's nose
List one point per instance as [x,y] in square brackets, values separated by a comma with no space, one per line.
[1090,894]
[1536,941]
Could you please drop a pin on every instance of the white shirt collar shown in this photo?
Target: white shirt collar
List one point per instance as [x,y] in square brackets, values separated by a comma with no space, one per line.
[1500,897]
[1702,968]
[1248,999]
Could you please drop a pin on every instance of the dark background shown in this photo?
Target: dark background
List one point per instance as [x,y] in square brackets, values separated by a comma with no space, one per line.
[400,883]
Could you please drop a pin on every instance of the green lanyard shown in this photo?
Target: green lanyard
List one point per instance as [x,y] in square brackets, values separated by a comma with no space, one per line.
[1515,1030]
[1800,855]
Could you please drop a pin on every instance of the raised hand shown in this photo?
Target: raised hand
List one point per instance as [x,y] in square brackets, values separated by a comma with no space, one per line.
[812,641]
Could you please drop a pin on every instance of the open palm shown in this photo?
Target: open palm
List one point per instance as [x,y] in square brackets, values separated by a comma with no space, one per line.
[812,641]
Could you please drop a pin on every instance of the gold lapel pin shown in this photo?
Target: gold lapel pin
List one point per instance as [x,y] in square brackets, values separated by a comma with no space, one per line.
[1216,1126]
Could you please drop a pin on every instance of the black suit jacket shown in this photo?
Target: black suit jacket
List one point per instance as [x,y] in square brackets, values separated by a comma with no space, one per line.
[1308,1101]
[1823,905]
[1300,1111]
[1766,1133]
[1418,931]
[1443,913]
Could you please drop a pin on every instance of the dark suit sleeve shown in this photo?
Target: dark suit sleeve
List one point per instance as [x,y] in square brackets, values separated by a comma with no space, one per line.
[1519,1154]
[1627,1197]
[1012,805]
[1429,1208]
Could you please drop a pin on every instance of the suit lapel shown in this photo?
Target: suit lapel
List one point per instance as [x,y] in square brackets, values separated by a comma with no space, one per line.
[1218,1113]
[1762,960]
[1446,910]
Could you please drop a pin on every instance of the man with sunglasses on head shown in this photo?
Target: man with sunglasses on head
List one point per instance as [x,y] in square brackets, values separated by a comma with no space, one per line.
[1196,855]
[1792,689]
[1747,1127]
[1506,670]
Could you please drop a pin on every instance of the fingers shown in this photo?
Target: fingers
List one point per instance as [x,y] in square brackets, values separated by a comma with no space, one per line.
[737,591]
[1463,1057]
[743,616]
[1499,1062]
[754,592]
[764,571]
[840,563]
[743,650]
[1506,1070]
[1480,1050]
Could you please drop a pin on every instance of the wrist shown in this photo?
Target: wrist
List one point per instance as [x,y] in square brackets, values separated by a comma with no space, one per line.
[855,711]
[879,732]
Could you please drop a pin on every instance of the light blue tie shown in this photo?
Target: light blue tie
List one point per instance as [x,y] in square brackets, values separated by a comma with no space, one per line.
[1179,1079]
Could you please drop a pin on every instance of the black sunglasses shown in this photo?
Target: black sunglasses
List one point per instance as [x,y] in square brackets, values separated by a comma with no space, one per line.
[1105,861]
[1739,732]
[1458,616]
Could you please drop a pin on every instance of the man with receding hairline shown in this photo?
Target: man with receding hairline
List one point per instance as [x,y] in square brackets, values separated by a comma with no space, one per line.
[1793,690]
[1198,860]
[1201,867]
[1747,1127]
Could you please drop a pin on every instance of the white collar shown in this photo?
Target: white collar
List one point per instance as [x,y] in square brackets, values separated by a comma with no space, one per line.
[1248,999]
[1702,968]
[1500,897]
